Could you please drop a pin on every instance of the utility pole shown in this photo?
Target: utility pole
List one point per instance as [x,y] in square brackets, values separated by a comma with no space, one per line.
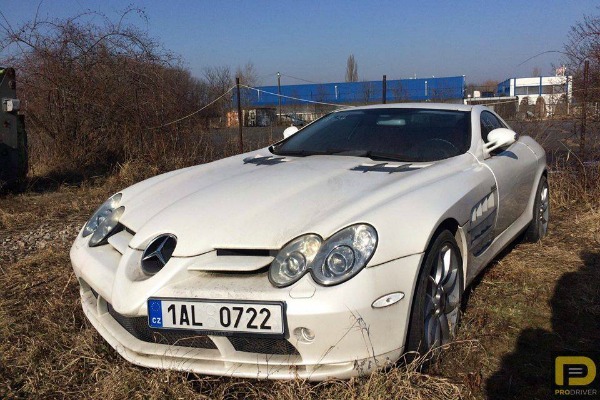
[384,90]
[567,94]
[586,72]
[239,108]
[279,97]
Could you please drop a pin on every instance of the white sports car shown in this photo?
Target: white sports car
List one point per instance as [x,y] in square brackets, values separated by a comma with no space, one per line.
[329,254]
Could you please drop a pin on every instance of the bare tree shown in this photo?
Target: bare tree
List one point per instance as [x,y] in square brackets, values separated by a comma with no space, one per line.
[584,43]
[400,92]
[351,69]
[249,77]
[218,81]
[321,97]
[489,86]
[247,74]
[537,71]
[367,91]
[470,89]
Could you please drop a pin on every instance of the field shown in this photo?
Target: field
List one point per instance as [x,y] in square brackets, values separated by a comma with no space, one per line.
[532,301]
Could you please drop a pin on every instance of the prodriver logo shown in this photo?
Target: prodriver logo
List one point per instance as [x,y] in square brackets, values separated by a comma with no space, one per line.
[575,376]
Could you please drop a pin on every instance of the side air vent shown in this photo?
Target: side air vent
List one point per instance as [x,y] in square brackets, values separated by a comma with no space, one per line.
[481,226]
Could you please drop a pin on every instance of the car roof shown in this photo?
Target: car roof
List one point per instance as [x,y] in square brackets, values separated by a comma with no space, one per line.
[428,106]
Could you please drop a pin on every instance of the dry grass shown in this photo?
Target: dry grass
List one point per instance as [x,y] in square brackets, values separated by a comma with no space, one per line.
[574,185]
[530,302]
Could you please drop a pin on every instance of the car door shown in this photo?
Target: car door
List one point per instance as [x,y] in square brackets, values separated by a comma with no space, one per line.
[514,170]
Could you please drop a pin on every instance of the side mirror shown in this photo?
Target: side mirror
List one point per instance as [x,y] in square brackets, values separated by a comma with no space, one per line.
[500,137]
[289,131]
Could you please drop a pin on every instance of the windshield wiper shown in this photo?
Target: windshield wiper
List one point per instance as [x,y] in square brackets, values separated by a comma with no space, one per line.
[299,153]
[376,156]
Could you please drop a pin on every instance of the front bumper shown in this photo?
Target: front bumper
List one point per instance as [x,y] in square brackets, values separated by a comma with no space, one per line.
[350,336]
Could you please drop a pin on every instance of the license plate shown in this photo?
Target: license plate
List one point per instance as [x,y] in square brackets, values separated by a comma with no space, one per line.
[217,316]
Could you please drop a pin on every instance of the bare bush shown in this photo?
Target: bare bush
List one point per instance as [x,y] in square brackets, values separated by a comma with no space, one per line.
[95,92]
[574,184]
[540,107]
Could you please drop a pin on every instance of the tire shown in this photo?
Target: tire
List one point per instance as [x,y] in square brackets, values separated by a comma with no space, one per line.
[434,319]
[541,213]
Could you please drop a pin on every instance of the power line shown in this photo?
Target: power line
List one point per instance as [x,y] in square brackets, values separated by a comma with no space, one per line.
[295,98]
[195,112]
[301,79]
[266,76]
[539,54]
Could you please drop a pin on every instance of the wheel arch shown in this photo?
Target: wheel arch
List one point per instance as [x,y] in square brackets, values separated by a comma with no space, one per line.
[452,225]
[446,224]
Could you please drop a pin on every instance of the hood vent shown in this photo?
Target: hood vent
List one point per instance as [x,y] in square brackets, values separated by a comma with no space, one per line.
[267,160]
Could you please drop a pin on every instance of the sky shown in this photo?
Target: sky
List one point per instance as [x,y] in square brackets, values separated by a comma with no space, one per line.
[312,40]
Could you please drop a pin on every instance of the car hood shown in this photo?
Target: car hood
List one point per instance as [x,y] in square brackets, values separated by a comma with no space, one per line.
[261,201]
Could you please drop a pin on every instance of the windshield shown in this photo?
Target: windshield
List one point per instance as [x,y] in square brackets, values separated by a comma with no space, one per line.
[403,134]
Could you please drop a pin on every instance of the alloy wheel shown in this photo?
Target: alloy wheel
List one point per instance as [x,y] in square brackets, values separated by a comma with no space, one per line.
[442,298]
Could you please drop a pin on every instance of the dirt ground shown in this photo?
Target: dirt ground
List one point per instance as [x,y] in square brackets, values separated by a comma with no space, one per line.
[533,301]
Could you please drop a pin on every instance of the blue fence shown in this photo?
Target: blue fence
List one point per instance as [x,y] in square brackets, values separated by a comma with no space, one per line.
[446,88]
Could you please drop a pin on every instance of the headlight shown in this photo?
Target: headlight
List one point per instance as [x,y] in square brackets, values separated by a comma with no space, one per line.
[336,260]
[344,254]
[103,221]
[294,259]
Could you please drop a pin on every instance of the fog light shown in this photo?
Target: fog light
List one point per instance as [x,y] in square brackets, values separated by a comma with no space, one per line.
[304,335]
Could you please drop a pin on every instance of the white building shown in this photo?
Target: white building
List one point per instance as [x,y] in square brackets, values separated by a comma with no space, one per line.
[552,89]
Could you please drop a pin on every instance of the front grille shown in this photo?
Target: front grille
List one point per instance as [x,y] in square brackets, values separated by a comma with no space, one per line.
[263,345]
[138,327]
[247,252]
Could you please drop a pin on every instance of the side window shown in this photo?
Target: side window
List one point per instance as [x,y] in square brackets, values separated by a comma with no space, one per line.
[489,122]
